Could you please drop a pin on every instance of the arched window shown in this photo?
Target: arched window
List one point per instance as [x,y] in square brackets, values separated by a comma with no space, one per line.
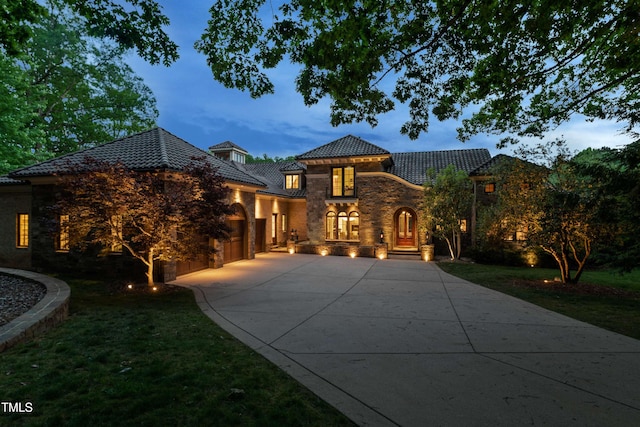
[331,226]
[343,229]
[341,226]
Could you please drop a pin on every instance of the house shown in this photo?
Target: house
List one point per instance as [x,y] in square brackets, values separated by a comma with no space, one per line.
[348,193]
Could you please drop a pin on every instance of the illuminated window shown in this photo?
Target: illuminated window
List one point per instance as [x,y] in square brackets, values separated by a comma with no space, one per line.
[343,182]
[116,233]
[343,222]
[490,188]
[463,225]
[22,230]
[331,230]
[63,236]
[354,226]
[292,182]
[343,226]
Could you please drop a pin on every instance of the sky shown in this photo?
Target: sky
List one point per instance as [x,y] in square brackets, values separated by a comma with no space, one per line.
[194,107]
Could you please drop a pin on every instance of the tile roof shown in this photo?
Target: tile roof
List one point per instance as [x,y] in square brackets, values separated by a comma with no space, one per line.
[347,146]
[5,180]
[155,149]
[227,145]
[271,174]
[413,166]
[486,167]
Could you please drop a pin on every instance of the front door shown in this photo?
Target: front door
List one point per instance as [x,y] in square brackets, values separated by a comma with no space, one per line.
[405,228]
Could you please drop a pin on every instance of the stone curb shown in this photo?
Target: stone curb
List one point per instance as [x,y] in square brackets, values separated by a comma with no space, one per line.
[47,313]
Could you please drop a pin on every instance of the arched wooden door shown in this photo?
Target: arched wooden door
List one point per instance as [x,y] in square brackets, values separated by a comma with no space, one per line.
[405,228]
[236,247]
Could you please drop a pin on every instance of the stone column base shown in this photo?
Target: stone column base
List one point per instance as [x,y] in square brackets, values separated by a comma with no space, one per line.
[427,252]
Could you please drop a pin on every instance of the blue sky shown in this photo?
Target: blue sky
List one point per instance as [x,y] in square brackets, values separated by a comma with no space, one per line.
[196,108]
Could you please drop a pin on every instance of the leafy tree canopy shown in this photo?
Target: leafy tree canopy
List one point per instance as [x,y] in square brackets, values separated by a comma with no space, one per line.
[67,91]
[518,67]
[133,24]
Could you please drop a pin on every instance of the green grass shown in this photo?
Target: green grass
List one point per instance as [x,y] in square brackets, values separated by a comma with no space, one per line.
[149,360]
[602,298]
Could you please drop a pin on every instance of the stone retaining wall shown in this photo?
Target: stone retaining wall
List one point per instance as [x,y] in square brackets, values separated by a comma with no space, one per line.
[46,314]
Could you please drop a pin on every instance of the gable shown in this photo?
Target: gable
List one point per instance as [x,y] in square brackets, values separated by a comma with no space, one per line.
[347,146]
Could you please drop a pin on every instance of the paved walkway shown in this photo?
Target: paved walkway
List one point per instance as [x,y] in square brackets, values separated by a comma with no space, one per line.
[397,342]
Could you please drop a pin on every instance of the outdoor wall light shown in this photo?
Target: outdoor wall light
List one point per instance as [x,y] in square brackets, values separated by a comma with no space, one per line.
[381,236]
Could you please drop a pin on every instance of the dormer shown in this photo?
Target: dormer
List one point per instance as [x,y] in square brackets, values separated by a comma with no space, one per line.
[229,151]
[294,176]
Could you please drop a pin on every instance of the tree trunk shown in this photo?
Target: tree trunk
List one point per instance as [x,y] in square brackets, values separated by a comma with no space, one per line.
[150,268]
[449,244]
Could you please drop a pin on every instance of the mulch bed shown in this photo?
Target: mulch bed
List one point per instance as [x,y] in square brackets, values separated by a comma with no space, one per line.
[17,296]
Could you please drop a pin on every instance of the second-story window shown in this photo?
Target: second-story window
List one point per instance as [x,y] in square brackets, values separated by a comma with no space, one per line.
[292,182]
[343,182]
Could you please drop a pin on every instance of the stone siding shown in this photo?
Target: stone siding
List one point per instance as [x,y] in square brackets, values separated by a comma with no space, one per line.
[14,199]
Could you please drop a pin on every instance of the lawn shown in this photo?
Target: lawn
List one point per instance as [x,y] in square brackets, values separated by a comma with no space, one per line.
[602,298]
[149,359]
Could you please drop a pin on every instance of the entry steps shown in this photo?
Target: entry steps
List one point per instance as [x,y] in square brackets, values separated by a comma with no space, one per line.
[408,255]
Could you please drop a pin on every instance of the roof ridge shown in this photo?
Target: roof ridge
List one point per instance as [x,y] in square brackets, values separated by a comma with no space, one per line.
[163,146]
[441,151]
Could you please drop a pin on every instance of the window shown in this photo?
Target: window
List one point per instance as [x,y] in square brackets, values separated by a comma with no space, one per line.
[343,182]
[284,222]
[463,225]
[342,226]
[490,188]
[22,230]
[63,235]
[292,182]
[354,226]
[331,226]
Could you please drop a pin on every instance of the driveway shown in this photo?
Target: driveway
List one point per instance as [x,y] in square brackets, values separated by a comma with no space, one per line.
[395,342]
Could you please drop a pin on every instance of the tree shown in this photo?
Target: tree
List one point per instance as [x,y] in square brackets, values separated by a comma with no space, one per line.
[447,202]
[16,113]
[67,91]
[552,206]
[131,24]
[267,159]
[517,67]
[617,174]
[153,215]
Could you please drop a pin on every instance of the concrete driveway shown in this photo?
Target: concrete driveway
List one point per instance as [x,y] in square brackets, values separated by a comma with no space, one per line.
[394,342]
